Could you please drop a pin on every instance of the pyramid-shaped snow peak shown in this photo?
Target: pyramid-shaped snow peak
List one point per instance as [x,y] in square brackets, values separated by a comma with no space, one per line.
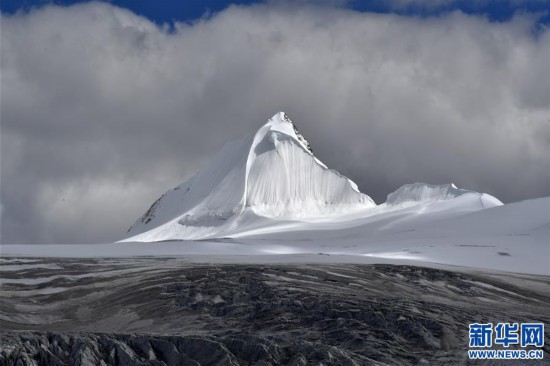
[271,175]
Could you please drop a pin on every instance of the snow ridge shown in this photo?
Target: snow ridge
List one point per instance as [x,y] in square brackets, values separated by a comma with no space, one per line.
[416,193]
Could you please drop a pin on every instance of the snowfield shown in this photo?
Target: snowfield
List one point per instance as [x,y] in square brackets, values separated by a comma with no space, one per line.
[512,238]
[268,199]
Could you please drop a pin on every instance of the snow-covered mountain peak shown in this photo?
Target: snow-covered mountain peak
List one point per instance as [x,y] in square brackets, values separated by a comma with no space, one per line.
[272,174]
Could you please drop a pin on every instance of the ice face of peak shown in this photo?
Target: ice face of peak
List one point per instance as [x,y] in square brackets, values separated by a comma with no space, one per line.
[422,192]
[286,180]
[272,174]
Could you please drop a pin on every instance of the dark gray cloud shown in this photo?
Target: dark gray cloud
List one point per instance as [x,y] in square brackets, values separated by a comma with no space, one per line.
[102,111]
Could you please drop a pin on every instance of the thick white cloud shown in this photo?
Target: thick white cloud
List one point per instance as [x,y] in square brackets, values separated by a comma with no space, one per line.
[102,110]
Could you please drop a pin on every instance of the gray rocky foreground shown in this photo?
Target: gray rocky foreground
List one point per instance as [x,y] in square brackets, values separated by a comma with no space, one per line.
[154,311]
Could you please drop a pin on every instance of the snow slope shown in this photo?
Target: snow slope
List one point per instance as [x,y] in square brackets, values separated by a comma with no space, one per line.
[272,174]
[455,232]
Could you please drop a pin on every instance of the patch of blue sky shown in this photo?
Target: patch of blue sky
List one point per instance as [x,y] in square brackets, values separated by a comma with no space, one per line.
[169,11]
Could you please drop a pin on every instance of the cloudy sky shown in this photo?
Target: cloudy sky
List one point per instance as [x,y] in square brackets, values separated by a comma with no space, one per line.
[106,105]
